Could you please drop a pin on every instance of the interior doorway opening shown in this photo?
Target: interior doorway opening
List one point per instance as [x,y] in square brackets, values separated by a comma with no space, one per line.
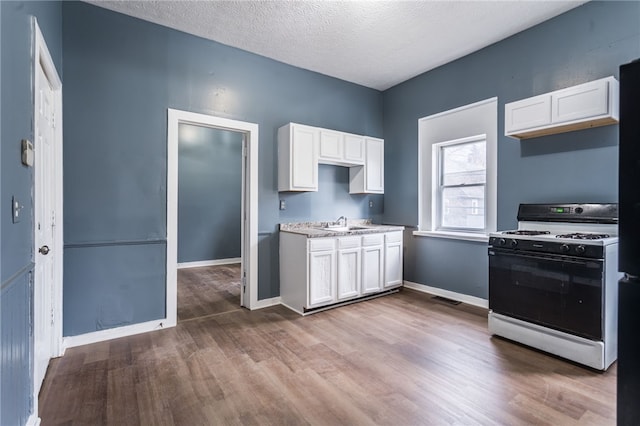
[249,202]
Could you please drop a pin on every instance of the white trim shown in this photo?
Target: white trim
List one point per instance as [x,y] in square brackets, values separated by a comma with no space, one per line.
[201,263]
[466,236]
[250,207]
[451,128]
[266,303]
[112,333]
[458,109]
[33,420]
[464,298]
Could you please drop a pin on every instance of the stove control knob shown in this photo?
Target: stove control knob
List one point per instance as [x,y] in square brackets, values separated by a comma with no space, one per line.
[502,241]
[514,243]
[580,249]
[565,248]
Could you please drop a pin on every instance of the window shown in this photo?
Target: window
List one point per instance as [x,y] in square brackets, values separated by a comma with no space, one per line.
[457,172]
[460,184]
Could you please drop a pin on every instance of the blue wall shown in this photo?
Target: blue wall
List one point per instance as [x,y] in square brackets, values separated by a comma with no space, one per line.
[584,44]
[209,193]
[16,116]
[121,75]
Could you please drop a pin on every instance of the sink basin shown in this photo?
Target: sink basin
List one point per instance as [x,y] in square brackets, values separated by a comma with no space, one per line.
[343,228]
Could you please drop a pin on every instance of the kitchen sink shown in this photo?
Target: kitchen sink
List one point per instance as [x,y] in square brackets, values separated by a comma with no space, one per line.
[343,228]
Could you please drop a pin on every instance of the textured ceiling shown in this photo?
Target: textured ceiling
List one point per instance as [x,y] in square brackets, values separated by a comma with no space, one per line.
[377,44]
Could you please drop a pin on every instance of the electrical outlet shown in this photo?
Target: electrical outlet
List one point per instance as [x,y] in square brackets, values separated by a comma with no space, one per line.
[370,204]
[283,205]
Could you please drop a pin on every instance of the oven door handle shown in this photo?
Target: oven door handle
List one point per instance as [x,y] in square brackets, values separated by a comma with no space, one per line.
[589,263]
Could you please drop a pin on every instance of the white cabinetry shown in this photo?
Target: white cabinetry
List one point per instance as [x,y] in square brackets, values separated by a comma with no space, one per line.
[372,263]
[583,106]
[393,259]
[331,146]
[349,267]
[302,148]
[317,272]
[297,159]
[322,272]
[370,177]
[354,149]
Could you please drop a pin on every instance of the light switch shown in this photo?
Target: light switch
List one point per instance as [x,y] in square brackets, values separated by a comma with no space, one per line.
[283,205]
[16,208]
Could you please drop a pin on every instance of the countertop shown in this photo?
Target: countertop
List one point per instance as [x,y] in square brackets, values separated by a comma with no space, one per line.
[314,229]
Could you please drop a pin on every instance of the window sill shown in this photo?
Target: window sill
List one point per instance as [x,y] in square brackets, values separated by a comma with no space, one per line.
[466,236]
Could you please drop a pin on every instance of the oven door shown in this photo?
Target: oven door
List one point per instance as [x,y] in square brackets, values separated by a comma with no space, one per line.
[560,292]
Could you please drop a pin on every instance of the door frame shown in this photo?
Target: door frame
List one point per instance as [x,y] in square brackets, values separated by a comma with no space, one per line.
[42,58]
[249,297]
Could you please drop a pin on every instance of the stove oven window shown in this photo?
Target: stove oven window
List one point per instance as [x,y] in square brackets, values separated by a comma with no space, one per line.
[461,184]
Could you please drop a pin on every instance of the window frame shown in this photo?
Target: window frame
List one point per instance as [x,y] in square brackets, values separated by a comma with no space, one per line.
[438,185]
[457,123]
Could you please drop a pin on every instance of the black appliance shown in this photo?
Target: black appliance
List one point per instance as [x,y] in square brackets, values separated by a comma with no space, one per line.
[553,281]
[628,410]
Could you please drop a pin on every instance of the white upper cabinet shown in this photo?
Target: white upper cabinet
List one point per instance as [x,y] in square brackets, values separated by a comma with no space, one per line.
[583,106]
[369,178]
[302,148]
[331,146]
[354,149]
[297,159]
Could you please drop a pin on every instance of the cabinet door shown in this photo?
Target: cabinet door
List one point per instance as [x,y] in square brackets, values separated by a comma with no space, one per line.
[322,277]
[393,264]
[527,114]
[354,149]
[331,146]
[372,269]
[374,166]
[349,265]
[580,102]
[304,164]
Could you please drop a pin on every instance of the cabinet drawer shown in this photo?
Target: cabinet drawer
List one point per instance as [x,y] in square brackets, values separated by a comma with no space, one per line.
[372,240]
[321,244]
[348,242]
[393,237]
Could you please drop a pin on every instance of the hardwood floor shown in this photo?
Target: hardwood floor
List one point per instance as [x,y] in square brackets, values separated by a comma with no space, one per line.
[403,359]
[208,290]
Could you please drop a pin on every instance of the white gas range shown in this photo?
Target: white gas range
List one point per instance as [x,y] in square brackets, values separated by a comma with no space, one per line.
[553,281]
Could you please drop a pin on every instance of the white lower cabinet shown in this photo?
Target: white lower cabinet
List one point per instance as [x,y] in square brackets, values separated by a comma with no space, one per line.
[322,272]
[393,259]
[372,263]
[349,267]
[317,272]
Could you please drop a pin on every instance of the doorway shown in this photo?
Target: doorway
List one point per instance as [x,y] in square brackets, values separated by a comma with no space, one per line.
[249,204]
[47,211]
[209,220]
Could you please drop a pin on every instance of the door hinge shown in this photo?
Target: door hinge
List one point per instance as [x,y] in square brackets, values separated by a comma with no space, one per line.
[244,283]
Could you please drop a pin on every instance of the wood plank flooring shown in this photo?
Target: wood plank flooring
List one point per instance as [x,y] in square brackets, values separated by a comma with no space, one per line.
[208,290]
[403,359]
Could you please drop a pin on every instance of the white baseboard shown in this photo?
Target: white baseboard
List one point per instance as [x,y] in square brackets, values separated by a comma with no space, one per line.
[201,263]
[114,333]
[265,303]
[33,420]
[464,298]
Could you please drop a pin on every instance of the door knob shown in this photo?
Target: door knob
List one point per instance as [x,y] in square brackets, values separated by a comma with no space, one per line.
[44,250]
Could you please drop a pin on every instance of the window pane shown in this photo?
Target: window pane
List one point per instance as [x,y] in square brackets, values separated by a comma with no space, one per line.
[464,164]
[463,207]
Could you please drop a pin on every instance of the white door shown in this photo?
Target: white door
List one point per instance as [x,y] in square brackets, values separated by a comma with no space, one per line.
[349,266]
[44,222]
[304,162]
[374,166]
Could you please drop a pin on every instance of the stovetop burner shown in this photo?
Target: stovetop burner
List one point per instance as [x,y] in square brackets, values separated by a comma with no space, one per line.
[526,232]
[582,236]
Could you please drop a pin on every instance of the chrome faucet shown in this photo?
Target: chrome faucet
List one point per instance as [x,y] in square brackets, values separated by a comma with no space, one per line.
[341,218]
